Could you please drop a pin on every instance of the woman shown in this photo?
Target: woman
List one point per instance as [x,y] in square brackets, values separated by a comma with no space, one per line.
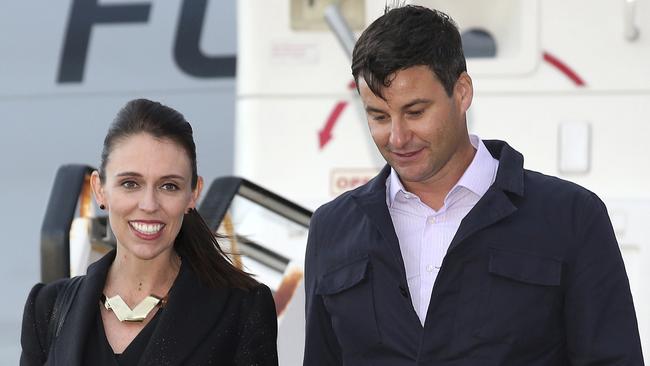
[167,295]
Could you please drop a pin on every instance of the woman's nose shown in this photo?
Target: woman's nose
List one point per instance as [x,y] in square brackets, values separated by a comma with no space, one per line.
[149,201]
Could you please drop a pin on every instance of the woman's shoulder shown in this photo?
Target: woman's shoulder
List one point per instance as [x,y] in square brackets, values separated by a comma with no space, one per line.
[258,292]
[42,296]
[258,329]
[258,298]
[37,316]
[41,301]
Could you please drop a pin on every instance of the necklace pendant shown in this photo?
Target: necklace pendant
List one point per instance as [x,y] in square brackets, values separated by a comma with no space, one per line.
[124,313]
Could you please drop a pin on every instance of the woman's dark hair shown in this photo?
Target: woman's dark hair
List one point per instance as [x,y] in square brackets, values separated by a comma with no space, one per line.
[195,242]
[404,37]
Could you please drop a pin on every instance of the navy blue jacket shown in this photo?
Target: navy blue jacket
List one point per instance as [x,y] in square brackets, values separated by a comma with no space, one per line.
[533,277]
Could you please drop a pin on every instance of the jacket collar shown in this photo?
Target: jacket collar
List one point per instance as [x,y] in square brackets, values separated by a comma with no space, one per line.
[191,312]
[70,344]
[492,207]
[371,198]
[510,175]
[498,202]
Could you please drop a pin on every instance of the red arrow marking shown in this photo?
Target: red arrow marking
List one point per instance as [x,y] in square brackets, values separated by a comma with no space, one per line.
[564,68]
[325,135]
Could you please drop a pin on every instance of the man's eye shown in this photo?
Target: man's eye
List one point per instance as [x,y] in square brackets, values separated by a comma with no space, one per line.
[169,187]
[380,117]
[415,113]
[129,184]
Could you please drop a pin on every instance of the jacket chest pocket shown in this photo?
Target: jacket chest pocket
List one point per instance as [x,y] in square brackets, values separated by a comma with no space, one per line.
[348,296]
[524,298]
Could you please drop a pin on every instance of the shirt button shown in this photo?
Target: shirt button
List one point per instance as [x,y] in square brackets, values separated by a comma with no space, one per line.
[432,220]
[430,268]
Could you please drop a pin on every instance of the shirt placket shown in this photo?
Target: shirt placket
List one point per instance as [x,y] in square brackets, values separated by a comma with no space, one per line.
[429,265]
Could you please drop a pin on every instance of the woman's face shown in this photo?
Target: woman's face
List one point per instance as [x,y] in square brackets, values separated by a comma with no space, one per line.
[148,189]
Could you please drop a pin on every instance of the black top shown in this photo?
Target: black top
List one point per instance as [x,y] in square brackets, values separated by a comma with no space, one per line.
[198,326]
[99,351]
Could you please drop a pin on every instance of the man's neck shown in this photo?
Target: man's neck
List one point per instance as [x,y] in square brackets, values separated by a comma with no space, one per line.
[433,191]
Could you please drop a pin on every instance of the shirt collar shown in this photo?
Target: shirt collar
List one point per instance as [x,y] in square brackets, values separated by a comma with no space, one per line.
[478,176]
[481,172]
[394,186]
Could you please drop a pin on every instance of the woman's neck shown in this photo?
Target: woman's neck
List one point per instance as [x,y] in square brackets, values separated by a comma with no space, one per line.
[134,279]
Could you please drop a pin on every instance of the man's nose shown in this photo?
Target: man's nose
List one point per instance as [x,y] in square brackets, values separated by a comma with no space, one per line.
[399,133]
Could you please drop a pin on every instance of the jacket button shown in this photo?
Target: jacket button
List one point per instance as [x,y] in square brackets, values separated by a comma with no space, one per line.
[402,290]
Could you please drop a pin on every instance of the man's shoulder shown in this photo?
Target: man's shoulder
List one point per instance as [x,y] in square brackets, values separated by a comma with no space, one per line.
[534,185]
[342,203]
[553,189]
[538,180]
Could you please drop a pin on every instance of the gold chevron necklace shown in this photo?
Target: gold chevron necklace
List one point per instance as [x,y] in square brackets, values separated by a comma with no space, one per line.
[138,314]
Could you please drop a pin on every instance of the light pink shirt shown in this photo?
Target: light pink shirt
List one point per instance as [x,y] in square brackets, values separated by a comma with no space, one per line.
[425,234]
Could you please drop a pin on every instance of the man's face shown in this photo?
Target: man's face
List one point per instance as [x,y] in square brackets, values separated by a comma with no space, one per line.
[418,128]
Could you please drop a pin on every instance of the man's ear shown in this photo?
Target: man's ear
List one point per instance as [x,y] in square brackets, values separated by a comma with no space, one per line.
[464,91]
[98,189]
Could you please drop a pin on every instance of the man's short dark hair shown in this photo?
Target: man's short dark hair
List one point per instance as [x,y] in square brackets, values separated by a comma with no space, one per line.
[404,37]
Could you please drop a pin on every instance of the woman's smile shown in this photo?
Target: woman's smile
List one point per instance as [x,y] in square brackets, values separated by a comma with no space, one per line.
[147,229]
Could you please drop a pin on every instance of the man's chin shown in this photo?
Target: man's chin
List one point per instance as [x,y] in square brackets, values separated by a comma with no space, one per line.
[409,175]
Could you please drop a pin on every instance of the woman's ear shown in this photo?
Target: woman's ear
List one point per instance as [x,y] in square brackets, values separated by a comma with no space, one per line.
[98,189]
[196,193]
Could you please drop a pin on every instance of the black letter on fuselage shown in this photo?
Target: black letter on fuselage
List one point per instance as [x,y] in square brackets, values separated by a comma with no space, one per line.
[187,54]
[83,15]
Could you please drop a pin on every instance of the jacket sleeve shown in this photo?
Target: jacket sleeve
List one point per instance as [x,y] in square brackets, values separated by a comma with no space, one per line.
[34,330]
[600,320]
[258,339]
[321,345]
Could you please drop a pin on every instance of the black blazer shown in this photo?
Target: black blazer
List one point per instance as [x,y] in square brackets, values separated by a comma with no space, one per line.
[533,276]
[199,325]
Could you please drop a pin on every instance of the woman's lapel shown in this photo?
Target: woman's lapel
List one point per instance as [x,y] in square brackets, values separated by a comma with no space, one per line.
[192,311]
[70,345]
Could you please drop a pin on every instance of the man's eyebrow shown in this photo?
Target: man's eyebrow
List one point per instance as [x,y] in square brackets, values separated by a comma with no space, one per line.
[370,109]
[416,102]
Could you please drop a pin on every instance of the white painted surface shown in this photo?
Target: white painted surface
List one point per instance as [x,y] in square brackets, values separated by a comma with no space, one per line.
[519,97]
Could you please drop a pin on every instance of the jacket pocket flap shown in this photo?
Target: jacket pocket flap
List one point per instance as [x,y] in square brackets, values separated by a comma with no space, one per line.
[525,267]
[343,277]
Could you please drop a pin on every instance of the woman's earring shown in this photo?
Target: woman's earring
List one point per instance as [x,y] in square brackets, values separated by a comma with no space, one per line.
[102,207]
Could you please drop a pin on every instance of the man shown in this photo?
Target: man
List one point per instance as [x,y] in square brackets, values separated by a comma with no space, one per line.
[454,254]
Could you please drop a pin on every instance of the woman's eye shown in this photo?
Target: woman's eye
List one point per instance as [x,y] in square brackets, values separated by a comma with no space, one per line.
[129,184]
[169,187]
